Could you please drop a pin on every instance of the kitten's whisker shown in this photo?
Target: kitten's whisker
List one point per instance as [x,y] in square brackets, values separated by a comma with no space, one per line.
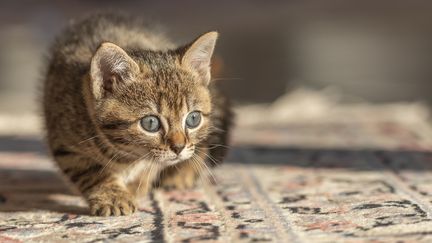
[210,178]
[157,177]
[150,175]
[202,162]
[139,185]
[209,172]
[106,165]
[212,159]
[214,145]
[213,128]
[141,179]
[88,139]
[235,78]
[175,166]
[194,166]
[134,162]
[127,168]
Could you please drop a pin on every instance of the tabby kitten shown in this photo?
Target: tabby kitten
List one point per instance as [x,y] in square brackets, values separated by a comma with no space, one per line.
[126,111]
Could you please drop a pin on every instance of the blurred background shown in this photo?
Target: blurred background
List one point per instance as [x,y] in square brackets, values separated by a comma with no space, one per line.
[375,51]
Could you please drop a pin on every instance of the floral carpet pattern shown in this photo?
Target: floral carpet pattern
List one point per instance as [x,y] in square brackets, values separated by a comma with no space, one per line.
[337,180]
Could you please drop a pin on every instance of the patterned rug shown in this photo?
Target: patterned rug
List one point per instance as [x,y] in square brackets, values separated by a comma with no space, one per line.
[349,174]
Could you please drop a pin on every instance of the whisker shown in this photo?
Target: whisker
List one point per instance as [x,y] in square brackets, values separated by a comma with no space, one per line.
[234,78]
[197,168]
[213,145]
[139,185]
[88,139]
[218,129]
[196,165]
[150,176]
[106,165]
[212,159]
[141,179]
[134,162]
[202,162]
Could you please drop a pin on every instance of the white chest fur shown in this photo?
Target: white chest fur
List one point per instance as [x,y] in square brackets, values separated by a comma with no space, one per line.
[141,170]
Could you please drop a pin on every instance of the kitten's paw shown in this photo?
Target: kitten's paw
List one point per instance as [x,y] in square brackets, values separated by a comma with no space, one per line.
[113,206]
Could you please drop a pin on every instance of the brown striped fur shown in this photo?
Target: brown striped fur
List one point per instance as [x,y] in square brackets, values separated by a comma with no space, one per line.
[105,74]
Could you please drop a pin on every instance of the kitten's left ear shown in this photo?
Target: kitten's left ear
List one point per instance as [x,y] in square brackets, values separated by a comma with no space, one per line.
[198,55]
[110,67]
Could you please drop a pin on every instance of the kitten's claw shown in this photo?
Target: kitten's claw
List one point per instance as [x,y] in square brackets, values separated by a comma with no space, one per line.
[114,207]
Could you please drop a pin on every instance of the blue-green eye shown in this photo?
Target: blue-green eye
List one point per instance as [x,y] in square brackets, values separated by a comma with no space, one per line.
[150,123]
[193,119]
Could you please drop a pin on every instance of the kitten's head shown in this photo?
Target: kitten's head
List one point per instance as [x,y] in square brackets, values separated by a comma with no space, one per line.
[154,104]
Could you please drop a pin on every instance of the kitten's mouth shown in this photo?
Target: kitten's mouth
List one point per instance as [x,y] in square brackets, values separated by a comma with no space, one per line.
[170,158]
[176,160]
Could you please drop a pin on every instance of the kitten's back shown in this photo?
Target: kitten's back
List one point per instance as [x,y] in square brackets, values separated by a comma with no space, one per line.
[81,39]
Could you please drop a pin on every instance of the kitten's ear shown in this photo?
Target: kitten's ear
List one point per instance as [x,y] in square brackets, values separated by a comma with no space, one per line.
[110,66]
[197,55]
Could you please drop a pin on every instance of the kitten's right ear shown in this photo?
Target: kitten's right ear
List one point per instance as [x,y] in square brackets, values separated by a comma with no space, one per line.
[110,66]
[198,55]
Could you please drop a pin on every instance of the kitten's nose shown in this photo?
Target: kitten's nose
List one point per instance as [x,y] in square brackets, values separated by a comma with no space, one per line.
[177,142]
[177,148]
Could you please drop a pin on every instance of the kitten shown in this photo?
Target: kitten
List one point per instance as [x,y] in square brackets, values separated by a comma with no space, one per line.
[126,111]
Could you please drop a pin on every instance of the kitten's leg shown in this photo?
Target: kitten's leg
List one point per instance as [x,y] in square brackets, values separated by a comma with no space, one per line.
[106,194]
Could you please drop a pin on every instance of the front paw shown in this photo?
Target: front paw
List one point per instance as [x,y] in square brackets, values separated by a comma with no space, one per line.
[112,204]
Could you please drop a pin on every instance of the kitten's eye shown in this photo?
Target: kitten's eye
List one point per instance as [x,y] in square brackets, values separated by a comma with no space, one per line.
[150,123]
[193,119]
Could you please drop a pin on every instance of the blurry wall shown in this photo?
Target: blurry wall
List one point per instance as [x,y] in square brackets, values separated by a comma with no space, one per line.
[376,50]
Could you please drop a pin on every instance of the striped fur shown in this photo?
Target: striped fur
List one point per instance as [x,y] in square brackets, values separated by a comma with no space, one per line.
[105,74]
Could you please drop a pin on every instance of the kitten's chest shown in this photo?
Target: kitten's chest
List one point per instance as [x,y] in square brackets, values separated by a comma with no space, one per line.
[142,172]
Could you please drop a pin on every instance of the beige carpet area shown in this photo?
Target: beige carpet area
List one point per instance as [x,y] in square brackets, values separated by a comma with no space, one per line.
[307,168]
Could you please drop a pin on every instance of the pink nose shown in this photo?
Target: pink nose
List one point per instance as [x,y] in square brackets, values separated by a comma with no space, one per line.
[177,142]
[177,148]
